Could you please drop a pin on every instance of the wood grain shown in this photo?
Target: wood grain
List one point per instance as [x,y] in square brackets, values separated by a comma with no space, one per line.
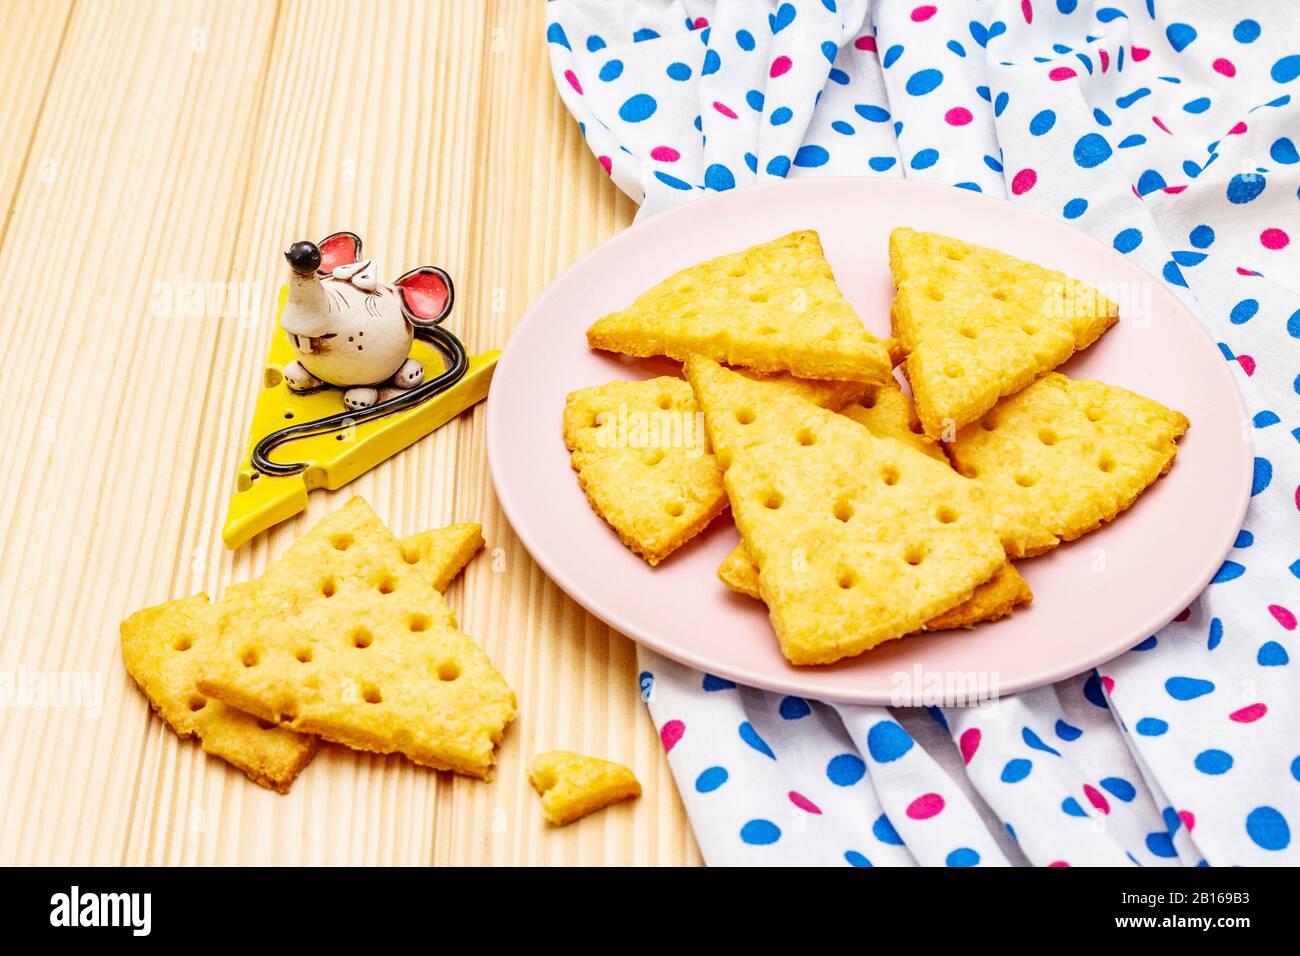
[157,148]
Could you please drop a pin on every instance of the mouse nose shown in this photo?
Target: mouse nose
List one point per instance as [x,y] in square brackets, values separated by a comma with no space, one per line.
[303,257]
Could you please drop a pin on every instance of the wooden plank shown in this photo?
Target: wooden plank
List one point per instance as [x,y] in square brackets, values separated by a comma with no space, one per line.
[192,142]
[29,49]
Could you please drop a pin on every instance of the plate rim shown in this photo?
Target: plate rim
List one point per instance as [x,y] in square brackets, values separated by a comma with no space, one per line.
[797,685]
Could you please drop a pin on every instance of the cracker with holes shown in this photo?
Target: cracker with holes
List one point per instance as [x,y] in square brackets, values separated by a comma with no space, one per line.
[573,785]
[888,413]
[362,652]
[1064,456]
[978,324]
[858,539]
[774,307]
[158,647]
[643,460]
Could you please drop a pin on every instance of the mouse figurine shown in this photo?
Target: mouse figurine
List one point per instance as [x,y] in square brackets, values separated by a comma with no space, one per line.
[352,331]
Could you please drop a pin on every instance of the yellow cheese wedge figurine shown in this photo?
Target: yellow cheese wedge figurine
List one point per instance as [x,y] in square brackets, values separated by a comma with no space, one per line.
[358,369]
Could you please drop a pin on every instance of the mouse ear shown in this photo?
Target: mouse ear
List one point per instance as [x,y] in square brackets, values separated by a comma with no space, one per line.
[340,249]
[426,295]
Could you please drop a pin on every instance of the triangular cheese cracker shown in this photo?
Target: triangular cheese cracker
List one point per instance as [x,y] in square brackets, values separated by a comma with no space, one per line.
[1064,456]
[773,308]
[858,539]
[888,413]
[158,647]
[574,785]
[642,457]
[978,324]
[344,639]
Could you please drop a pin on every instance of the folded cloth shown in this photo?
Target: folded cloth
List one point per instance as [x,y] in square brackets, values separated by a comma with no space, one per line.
[1161,126]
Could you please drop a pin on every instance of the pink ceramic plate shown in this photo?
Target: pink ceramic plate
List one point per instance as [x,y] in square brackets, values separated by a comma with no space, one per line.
[1093,599]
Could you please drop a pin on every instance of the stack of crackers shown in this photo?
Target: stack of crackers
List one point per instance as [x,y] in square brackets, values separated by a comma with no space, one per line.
[864,514]
[347,638]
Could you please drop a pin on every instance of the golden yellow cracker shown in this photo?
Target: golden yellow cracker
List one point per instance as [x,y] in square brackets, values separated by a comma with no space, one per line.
[859,539]
[642,457]
[572,785]
[774,307]
[356,650]
[889,414]
[442,553]
[994,599]
[159,647]
[1064,456]
[978,324]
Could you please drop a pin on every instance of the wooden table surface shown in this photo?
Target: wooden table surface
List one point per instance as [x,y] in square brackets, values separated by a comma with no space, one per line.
[156,148]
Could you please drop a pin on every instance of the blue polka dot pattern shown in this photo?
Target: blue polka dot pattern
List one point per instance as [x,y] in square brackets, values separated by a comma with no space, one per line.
[846,770]
[637,108]
[1247,31]
[963,856]
[1016,770]
[1213,762]
[1245,187]
[1128,239]
[710,779]
[1188,688]
[719,177]
[1152,727]
[1119,788]
[760,832]
[1268,829]
[1075,208]
[750,736]
[1042,122]
[1091,150]
[884,831]
[794,708]
[924,81]
[887,741]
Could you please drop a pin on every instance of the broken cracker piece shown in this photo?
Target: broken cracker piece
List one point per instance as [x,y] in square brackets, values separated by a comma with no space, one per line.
[357,649]
[859,539]
[1064,456]
[774,307]
[978,324]
[572,785]
[643,460]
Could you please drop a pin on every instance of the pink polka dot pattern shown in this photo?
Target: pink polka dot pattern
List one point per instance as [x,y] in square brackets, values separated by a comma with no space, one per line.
[925,806]
[1274,238]
[1023,181]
